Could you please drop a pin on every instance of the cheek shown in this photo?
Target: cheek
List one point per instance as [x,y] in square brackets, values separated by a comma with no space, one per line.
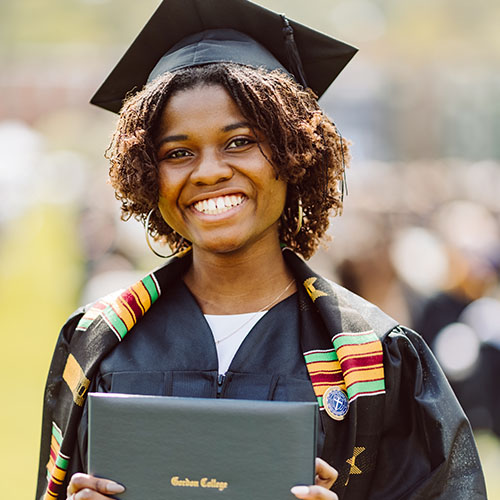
[163,206]
[167,199]
[170,215]
[164,181]
[169,187]
[165,210]
[279,196]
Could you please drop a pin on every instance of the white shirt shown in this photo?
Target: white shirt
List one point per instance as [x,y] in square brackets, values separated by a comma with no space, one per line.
[230,330]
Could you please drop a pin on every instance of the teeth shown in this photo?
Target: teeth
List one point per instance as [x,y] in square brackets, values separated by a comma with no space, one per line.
[221,204]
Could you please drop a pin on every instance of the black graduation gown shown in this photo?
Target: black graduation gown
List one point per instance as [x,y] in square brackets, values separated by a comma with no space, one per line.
[172,353]
[408,439]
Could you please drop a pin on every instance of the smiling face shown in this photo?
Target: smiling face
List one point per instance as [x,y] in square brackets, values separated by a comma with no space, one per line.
[217,189]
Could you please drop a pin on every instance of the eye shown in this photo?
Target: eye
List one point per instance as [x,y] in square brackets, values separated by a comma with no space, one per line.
[239,142]
[176,154]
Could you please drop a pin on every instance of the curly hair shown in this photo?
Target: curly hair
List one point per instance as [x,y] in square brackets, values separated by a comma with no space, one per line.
[307,151]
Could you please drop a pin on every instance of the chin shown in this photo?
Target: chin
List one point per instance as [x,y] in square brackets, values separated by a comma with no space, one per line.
[235,240]
[222,247]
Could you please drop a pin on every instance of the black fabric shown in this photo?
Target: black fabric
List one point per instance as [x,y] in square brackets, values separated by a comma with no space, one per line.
[416,441]
[59,405]
[322,57]
[413,442]
[213,46]
[427,449]
[172,353]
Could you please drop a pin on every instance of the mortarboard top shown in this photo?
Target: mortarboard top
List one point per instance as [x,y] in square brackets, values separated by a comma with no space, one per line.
[322,57]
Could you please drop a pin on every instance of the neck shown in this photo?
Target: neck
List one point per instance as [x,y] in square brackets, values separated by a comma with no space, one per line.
[239,282]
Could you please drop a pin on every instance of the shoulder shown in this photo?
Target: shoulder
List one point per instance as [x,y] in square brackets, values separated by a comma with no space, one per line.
[389,331]
[381,323]
[340,303]
[69,327]
[123,308]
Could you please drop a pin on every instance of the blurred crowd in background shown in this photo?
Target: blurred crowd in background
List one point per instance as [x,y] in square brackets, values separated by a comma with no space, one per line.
[420,233]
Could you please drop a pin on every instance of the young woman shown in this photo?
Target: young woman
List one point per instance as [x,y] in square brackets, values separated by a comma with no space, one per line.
[237,168]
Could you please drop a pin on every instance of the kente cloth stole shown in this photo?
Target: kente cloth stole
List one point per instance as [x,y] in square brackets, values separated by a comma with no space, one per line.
[101,328]
[340,337]
[110,318]
[352,361]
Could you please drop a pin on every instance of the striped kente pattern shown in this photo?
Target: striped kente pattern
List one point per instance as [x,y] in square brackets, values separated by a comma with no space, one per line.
[361,359]
[121,312]
[324,370]
[57,465]
[355,365]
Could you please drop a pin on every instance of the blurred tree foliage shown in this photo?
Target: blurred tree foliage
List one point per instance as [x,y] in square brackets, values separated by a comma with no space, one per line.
[70,21]
[40,279]
[417,28]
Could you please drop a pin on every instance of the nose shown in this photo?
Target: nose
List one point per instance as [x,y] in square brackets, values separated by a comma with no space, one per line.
[211,169]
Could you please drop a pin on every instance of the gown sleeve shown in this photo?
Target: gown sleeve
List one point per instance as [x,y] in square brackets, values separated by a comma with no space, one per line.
[427,449]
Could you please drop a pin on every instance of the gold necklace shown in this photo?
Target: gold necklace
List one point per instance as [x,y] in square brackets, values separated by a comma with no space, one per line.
[267,306]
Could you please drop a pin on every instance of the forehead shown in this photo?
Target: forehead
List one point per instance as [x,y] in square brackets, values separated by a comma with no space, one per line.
[201,105]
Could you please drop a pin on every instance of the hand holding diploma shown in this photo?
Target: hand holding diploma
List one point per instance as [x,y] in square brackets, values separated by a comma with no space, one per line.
[326,475]
[86,487]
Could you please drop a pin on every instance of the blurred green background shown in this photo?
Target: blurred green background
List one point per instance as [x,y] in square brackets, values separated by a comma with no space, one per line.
[421,103]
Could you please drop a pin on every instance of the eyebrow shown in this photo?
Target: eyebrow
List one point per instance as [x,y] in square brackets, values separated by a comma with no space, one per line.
[172,138]
[235,126]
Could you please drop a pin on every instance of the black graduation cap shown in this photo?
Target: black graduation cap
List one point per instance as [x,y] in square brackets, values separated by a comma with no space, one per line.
[195,32]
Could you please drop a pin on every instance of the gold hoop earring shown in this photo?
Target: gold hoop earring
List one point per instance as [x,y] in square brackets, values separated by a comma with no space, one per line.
[300,215]
[178,252]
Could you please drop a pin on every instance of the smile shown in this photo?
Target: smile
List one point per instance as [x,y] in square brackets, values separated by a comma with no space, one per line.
[219,205]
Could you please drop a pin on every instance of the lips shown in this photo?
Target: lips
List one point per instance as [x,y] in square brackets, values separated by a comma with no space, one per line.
[218,205]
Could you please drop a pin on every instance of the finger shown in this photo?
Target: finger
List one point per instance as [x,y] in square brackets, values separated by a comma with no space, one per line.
[80,481]
[88,494]
[326,475]
[313,493]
